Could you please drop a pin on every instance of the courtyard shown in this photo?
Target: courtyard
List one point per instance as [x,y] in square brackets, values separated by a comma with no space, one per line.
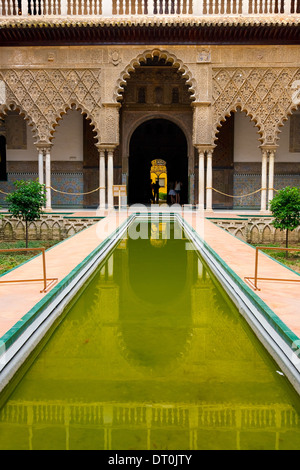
[155,308]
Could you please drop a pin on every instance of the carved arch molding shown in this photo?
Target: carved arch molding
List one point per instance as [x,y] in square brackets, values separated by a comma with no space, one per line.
[267,95]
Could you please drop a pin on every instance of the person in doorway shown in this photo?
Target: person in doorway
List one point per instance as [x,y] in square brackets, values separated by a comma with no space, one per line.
[178,185]
[151,192]
[172,193]
[156,191]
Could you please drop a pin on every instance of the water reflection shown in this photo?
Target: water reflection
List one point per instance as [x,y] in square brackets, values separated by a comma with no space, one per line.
[152,355]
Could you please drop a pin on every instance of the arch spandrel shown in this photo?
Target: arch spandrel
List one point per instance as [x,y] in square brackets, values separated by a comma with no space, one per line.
[45,95]
[263,93]
[295,105]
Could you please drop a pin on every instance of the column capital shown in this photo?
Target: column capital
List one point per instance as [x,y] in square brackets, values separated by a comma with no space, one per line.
[100,148]
[269,148]
[106,147]
[43,147]
[205,148]
[111,148]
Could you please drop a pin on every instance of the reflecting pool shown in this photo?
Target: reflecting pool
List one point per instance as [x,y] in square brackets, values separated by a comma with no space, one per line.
[151,354]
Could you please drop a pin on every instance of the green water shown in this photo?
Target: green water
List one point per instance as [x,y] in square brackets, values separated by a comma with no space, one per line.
[151,355]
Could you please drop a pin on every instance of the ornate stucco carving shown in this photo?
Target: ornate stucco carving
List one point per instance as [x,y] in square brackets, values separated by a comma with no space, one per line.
[202,124]
[43,96]
[136,61]
[265,94]
[110,116]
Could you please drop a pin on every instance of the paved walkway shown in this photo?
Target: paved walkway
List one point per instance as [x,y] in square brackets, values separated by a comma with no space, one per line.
[17,299]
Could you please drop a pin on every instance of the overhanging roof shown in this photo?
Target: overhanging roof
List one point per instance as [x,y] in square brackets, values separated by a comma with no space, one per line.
[46,31]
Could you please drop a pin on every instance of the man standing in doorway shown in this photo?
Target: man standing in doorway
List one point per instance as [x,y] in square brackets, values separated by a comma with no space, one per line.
[156,191]
[178,185]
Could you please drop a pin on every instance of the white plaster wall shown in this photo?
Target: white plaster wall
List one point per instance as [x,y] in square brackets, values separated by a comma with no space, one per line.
[68,137]
[246,143]
[67,141]
[29,154]
[282,153]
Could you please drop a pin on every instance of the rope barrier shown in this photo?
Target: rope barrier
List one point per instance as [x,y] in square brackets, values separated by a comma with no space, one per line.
[101,187]
[75,194]
[65,192]
[243,195]
[3,192]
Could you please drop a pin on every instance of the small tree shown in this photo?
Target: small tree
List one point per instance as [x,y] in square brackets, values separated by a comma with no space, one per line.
[27,202]
[285,207]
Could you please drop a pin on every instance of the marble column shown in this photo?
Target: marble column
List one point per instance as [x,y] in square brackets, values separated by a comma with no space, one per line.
[110,178]
[48,179]
[271,176]
[209,181]
[201,187]
[41,165]
[102,201]
[263,204]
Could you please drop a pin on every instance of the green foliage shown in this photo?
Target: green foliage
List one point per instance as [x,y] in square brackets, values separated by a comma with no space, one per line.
[285,207]
[27,201]
[163,196]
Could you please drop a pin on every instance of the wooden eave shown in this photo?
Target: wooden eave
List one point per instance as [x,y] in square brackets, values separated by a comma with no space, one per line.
[87,31]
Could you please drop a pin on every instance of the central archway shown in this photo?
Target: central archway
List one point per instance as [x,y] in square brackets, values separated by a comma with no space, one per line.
[156,139]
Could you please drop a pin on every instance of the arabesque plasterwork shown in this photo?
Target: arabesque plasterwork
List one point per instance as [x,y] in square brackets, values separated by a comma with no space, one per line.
[44,95]
[265,94]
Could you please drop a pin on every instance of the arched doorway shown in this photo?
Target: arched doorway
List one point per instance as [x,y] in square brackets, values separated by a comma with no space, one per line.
[156,139]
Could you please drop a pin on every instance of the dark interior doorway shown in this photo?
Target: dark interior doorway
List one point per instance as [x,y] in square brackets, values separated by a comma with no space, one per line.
[156,139]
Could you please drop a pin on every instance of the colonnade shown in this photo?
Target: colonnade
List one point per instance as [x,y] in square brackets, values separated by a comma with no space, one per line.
[205,180]
[106,176]
[106,172]
[205,187]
